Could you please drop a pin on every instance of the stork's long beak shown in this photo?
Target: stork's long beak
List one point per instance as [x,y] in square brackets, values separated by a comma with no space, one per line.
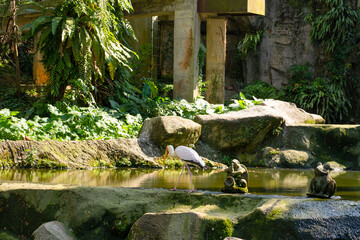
[166,153]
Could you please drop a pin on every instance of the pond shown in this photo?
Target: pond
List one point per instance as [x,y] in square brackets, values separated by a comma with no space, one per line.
[289,182]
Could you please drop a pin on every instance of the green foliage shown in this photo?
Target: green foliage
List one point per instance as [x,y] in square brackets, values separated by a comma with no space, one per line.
[243,103]
[82,34]
[70,123]
[64,122]
[262,90]
[16,100]
[202,61]
[202,58]
[139,66]
[250,42]
[317,95]
[334,25]
[227,160]
[188,110]
[6,65]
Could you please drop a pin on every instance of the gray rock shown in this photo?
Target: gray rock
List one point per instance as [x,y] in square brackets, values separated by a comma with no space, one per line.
[170,130]
[302,219]
[243,130]
[336,167]
[52,231]
[286,158]
[292,114]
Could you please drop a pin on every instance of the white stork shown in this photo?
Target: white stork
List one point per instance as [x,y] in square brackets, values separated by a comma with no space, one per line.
[188,156]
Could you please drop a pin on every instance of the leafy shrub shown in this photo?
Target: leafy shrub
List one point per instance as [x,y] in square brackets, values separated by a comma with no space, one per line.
[317,95]
[335,26]
[262,90]
[70,123]
[16,100]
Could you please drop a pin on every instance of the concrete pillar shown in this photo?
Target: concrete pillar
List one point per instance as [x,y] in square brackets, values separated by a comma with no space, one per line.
[39,74]
[186,48]
[215,59]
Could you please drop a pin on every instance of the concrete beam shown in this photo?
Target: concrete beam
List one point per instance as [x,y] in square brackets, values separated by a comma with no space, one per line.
[215,60]
[145,8]
[256,7]
[186,49]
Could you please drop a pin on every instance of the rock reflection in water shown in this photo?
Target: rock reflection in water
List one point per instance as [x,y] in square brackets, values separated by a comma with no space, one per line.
[289,182]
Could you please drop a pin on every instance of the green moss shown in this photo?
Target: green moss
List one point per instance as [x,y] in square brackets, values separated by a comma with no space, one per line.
[7,236]
[272,215]
[48,163]
[121,226]
[273,152]
[122,162]
[217,228]
[100,163]
[6,163]
[170,162]
[310,121]
[277,131]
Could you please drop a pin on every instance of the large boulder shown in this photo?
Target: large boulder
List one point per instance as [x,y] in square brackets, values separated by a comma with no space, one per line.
[52,231]
[302,219]
[243,130]
[79,154]
[170,130]
[291,113]
[186,225]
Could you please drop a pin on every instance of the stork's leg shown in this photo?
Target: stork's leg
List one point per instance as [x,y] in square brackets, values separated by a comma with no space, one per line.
[192,185]
[174,189]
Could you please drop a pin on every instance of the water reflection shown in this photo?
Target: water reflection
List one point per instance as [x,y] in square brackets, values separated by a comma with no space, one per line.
[261,181]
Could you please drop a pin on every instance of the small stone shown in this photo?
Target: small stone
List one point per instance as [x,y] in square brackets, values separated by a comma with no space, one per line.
[52,231]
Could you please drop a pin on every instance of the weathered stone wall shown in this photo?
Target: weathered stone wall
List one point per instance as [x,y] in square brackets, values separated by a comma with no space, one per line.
[286,42]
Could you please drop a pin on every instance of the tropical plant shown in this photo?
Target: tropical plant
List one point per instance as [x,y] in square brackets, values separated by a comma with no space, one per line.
[317,95]
[335,26]
[250,42]
[78,43]
[262,90]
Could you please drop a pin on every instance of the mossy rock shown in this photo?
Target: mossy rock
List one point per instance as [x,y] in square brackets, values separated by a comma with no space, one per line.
[170,130]
[241,131]
[185,225]
[110,213]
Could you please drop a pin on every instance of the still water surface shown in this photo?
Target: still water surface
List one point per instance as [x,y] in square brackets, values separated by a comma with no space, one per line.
[289,182]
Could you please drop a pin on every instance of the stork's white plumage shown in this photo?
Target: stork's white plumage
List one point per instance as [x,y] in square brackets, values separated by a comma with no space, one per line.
[188,156]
